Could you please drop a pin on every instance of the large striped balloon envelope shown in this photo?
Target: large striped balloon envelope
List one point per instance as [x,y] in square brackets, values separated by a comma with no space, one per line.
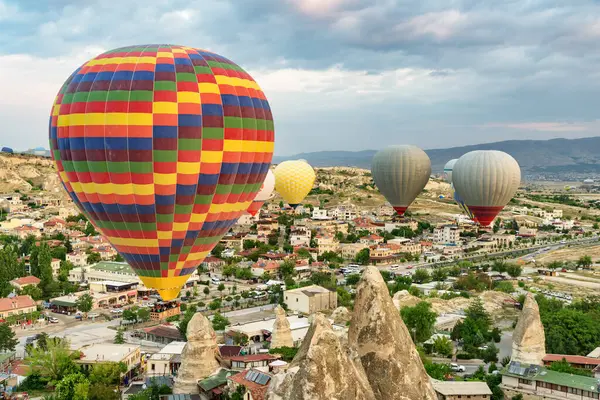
[163,147]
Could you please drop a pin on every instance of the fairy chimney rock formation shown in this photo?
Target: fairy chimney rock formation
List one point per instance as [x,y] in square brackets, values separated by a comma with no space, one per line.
[529,340]
[321,370]
[384,346]
[341,315]
[282,333]
[198,359]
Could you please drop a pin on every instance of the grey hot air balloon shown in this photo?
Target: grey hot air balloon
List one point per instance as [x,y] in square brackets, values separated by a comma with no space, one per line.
[448,170]
[486,180]
[401,172]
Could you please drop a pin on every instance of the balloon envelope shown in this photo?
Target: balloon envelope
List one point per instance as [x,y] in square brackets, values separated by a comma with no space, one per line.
[265,193]
[294,180]
[448,170]
[486,180]
[163,147]
[400,173]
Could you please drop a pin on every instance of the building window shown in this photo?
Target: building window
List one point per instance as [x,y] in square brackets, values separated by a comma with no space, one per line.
[153,367]
[525,381]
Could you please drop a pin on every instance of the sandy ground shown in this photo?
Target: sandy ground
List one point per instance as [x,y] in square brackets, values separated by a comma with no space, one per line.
[570,254]
[577,284]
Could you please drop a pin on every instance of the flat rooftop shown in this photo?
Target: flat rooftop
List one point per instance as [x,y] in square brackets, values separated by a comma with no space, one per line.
[309,290]
[114,267]
[107,352]
[451,388]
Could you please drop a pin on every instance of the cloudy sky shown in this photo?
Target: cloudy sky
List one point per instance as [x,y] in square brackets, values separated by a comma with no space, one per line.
[339,74]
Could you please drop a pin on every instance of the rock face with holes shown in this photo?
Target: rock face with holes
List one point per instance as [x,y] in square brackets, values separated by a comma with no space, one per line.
[383,344]
[341,315]
[529,339]
[198,359]
[282,333]
[323,369]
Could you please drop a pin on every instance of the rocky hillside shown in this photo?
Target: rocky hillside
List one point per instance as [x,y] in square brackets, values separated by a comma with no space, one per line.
[24,173]
[534,156]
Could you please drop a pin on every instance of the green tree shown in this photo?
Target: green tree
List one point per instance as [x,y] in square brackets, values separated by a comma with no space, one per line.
[73,387]
[8,339]
[119,337]
[490,354]
[109,373]
[84,303]
[442,345]
[34,291]
[344,298]
[514,270]
[287,268]
[570,331]
[220,288]
[352,279]
[42,341]
[130,314]
[143,314]
[219,322]
[54,362]
[100,391]
[555,265]
[584,261]
[44,259]
[187,316]
[287,353]
[439,274]
[94,258]
[505,286]
[217,251]
[420,320]
[363,256]
[477,313]
[421,276]
[565,367]
[437,371]
[206,291]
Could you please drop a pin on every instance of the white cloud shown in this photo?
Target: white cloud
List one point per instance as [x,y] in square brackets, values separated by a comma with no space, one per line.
[441,25]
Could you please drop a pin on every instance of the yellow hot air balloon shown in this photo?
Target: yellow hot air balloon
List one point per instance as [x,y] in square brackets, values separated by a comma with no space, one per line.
[293,180]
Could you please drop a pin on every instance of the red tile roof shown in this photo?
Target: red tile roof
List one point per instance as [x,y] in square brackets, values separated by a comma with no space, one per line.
[257,391]
[229,351]
[254,357]
[16,303]
[27,280]
[572,359]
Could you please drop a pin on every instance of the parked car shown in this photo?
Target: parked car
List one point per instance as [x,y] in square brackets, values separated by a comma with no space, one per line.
[53,320]
[457,368]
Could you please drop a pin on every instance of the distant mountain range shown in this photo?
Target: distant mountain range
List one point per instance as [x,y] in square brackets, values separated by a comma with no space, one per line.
[555,156]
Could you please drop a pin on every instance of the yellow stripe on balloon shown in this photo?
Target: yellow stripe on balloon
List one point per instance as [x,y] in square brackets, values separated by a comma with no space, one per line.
[212,156]
[165,179]
[164,107]
[165,234]
[229,207]
[111,188]
[197,256]
[123,60]
[188,168]
[209,88]
[120,241]
[234,81]
[90,119]
[248,146]
[188,97]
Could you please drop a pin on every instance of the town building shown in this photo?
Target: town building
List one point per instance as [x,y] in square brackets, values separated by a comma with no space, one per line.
[544,383]
[451,390]
[99,353]
[581,362]
[257,361]
[319,214]
[447,234]
[310,299]
[16,305]
[21,283]
[256,383]
[212,387]
[167,361]
[350,250]
[326,244]
[161,334]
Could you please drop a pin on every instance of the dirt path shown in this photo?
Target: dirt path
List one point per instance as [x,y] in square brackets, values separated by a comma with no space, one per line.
[567,281]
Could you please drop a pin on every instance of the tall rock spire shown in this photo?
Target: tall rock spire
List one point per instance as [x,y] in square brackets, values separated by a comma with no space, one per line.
[384,346]
[529,339]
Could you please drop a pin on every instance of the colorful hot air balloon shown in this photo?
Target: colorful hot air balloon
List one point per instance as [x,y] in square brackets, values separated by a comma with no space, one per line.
[294,180]
[486,180]
[401,172]
[163,147]
[448,170]
[265,193]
